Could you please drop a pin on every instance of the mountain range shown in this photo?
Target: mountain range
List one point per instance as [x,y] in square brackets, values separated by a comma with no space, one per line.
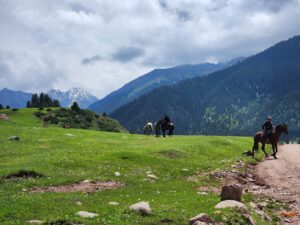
[66,98]
[18,99]
[232,101]
[155,79]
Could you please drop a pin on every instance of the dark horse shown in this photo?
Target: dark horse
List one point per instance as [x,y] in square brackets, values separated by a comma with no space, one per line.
[163,125]
[262,138]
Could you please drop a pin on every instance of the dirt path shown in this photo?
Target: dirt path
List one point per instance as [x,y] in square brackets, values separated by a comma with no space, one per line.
[283,176]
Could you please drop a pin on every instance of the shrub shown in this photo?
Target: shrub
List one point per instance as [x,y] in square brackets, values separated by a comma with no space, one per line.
[39,114]
[41,108]
[14,109]
[49,110]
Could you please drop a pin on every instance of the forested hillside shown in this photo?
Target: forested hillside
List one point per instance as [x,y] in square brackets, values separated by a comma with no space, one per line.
[233,101]
[152,80]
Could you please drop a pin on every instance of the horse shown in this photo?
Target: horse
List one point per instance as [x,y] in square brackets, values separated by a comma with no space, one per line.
[262,138]
[148,128]
[163,126]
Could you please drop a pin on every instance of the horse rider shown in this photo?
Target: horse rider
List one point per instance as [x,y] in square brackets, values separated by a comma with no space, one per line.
[268,127]
[167,119]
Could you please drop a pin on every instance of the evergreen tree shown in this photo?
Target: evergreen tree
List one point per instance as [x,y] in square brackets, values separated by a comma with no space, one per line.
[104,114]
[1,107]
[7,107]
[28,104]
[75,107]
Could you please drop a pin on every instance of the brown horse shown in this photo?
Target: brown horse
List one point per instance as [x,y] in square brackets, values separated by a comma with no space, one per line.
[262,138]
[163,126]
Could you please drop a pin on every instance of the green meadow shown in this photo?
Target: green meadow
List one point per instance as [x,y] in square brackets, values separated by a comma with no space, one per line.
[66,156]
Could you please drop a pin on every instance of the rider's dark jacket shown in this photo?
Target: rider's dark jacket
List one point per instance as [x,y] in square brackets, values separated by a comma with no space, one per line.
[267,127]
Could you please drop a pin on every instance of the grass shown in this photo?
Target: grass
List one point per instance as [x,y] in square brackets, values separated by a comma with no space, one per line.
[86,154]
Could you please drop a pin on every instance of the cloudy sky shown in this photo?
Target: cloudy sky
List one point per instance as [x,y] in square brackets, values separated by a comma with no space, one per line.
[100,45]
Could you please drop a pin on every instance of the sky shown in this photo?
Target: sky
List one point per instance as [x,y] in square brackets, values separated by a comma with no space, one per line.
[100,45]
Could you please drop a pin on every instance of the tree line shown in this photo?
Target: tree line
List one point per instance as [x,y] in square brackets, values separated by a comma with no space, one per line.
[42,100]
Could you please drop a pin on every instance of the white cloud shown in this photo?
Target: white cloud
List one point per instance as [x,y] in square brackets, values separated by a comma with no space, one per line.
[100,45]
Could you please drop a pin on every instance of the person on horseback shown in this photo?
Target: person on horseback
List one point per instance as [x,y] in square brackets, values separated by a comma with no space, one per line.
[268,127]
[167,119]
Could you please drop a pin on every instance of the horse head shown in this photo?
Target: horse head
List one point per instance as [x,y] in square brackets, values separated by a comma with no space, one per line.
[283,128]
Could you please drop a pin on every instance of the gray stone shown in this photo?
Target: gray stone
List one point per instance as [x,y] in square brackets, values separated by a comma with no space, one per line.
[231,192]
[230,204]
[141,207]
[35,221]
[86,214]
[114,203]
[14,138]
[202,217]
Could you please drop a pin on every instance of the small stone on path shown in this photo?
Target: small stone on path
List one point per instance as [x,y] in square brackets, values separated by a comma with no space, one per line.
[86,214]
[117,174]
[14,138]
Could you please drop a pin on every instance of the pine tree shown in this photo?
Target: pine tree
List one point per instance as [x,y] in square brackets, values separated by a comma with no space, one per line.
[28,104]
[1,107]
[75,107]
[7,107]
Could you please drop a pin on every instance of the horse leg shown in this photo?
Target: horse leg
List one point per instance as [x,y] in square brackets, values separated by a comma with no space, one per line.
[254,148]
[163,131]
[263,148]
[274,147]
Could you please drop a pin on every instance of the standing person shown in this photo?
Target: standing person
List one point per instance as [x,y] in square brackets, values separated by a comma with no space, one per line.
[268,127]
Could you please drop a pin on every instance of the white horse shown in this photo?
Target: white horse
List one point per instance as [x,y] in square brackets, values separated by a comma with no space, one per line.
[148,128]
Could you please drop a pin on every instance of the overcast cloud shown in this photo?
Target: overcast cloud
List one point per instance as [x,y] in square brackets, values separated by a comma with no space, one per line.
[100,45]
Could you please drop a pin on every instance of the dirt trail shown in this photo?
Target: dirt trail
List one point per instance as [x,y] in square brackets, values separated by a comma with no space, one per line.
[283,175]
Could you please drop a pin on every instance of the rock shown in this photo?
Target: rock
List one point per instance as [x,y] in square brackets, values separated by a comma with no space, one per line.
[249,219]
[231,192]
[86,214]
[184,170]
[79,203]
[114,203]
[230,204]
[14,138]
[202,217]
[117,174]
[261,205]
[152,176]
[35,221]
[202,193]
[141,207]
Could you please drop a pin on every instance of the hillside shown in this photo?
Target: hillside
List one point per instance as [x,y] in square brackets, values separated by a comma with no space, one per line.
[152,80]
[233,101]
[55,156]
[81,119]
[15,99]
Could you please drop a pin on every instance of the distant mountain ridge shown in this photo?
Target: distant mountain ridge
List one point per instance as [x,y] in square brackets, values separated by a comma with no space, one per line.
[66,98]
[155,79]
[15,99]
[232,101]
[18,99]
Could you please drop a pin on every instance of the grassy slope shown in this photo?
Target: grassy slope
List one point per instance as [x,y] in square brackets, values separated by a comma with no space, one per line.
[97,156]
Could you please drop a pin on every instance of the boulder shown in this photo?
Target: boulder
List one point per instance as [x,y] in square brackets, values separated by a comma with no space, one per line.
[86,214]
[202,217]
[200,223]
[114,203]
[141,207]
[231,192]
[230,204]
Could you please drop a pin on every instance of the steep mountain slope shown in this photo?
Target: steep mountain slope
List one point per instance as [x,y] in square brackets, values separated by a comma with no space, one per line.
[15,99]
[150,81]
[233,101]
[66,98]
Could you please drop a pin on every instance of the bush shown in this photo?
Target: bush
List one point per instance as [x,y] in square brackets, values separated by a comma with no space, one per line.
[41,108]
[39,114]
[14,109]
[53,120]
[49,110]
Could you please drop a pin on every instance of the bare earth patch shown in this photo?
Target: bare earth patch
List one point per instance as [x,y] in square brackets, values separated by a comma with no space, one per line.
[24,174]
[83,186]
